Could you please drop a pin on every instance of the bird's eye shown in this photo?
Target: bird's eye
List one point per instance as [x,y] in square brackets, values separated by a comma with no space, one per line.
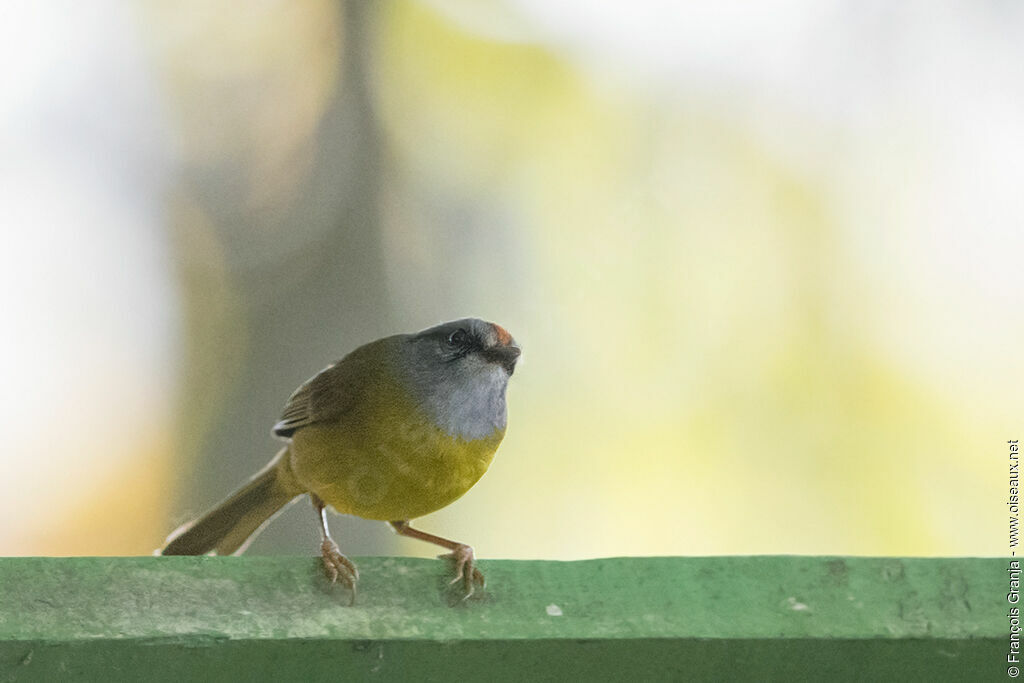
[457,338]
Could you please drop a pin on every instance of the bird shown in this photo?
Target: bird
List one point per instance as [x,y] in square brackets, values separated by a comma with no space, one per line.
[398,428]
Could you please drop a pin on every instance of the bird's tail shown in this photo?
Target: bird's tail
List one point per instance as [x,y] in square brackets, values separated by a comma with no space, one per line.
[228,528]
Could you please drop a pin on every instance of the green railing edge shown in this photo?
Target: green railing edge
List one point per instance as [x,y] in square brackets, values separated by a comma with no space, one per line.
[662,617]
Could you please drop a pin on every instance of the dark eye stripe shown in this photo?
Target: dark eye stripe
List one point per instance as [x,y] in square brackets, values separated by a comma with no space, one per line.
[458,338]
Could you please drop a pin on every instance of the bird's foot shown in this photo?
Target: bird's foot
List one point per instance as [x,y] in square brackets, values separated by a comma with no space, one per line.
[466,572]
[338,567]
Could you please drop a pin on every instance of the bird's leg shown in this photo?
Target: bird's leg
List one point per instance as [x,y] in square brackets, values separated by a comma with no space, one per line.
[336,565]
[461,556]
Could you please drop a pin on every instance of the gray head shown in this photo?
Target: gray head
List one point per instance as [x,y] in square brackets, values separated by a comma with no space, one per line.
[458,372]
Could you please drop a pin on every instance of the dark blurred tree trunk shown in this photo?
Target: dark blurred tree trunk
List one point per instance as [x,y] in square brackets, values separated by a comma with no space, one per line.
[311,305]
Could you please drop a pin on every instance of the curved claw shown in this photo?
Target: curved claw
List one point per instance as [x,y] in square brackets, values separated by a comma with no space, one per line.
[465,570]
[338,567]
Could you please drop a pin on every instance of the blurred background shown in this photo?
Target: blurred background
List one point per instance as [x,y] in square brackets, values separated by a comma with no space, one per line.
[764,262]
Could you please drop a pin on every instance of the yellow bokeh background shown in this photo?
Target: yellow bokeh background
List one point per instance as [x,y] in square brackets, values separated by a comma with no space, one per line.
[764,267]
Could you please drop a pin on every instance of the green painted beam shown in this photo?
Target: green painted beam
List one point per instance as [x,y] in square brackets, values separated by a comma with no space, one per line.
[667,618]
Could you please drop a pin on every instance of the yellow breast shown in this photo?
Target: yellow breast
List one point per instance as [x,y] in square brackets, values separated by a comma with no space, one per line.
[384,461]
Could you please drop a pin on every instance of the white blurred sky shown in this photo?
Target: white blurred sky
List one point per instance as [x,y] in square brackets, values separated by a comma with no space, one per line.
[86,284]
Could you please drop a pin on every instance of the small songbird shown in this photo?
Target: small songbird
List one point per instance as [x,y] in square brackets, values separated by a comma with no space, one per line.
[395,430]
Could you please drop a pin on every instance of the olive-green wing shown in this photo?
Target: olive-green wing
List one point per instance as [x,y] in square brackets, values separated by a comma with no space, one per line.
[321,398]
